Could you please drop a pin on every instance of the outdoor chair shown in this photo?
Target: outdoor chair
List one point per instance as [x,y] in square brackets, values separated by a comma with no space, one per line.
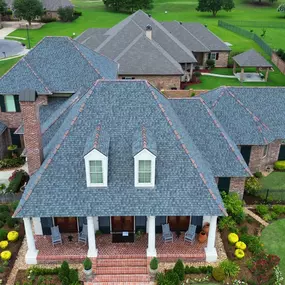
[83,235]
[166,233]
[55,236]
[190,234]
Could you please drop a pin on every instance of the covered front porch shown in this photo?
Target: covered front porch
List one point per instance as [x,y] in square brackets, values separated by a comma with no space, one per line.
[144,240]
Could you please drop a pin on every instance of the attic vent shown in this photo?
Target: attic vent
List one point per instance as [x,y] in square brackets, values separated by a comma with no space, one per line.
[180,23]
[148,28]
[148,31]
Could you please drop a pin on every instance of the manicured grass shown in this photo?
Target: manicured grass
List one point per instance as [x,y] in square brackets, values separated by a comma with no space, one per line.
[7,64]
[275,180]
[272,238]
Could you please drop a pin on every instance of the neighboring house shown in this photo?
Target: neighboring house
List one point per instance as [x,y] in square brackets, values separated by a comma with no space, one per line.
[50,6]
[162,53]
[56,67]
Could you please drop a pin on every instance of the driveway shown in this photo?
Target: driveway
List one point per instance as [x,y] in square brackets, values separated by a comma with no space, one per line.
[8,27]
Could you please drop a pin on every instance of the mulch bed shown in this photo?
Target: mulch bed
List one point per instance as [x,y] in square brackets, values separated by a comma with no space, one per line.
[21,278]
[14,248]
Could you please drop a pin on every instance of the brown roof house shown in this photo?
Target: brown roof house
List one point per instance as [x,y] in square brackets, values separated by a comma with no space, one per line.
[163,53]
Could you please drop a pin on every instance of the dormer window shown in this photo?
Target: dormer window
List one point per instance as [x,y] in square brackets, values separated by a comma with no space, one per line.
[96,171]
[96,158]
[144,152]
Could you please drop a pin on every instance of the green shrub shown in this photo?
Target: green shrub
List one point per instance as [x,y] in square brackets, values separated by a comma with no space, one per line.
[278,209]
[206,269]
[227,223]
[252,185]
[253,243]
[162,280]
[172,277]
[13,206]
[48,20]
[192,270]
[258,174]
[244,230]
[15,184]
[231,269]
[4,216]
[1,224]
[280,52]
[4,208]
[66,14]
[267,217]
[179,269]
[87,263]
[65,281]
[274,216]
[3,234]
[153,263]
[11,222]
[249,219]
[12,162]
[210,63]
[43,271]
[279,165]
[73,276]
[218,274]
[262,209]
[64,272]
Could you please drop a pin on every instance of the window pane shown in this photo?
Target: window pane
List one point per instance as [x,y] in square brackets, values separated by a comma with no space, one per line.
[10,103]
[96,171]
[144,171]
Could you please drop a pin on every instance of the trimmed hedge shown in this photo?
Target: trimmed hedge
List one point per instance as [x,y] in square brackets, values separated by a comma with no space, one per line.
[279,165]
[12,162]
[15,184]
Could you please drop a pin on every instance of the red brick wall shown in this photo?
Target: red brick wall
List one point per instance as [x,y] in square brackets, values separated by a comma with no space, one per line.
[258,162]
[278,62]
[237,185]
[182,93]
[32,136]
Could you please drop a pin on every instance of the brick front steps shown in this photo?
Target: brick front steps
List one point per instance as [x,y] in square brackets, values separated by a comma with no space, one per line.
[195,257]
[116,271]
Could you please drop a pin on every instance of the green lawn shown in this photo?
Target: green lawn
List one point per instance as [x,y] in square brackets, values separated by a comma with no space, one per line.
[275,180]
[6,65]
[272,238]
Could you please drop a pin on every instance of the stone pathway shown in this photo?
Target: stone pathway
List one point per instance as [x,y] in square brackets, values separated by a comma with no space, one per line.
[256,217]
[218,75]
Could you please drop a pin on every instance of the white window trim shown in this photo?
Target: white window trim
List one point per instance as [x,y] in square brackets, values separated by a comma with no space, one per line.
[144,155]
[211,55]
[96,155]
[267,148]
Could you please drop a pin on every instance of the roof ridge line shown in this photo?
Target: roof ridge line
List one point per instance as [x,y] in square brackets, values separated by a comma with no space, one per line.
[36,75]
[97,136]
[75,100]
[144,137]
[47,162]
[88,61]
[256,119]
[224,134]
[219,97]
[178,137]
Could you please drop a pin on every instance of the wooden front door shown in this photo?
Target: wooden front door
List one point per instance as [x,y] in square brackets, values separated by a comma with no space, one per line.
[179,223]
[66,224]
[123,224]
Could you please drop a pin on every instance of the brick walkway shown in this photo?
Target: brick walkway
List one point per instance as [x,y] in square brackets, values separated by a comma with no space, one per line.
[256,217]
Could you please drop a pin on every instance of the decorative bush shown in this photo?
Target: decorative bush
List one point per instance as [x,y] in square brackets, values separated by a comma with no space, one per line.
[87,264]
[233,238]
[210,63]
[218,274]
[252,185]
[228,223]
[3,244]
[16,183]
[239,253]
[6,255]
[198,270]
[278,209]
[12,162]
[153,264]
[13,236]
[262,209]
[4,216]
[258,174]
[267,217]
[279,165]
[4,208]
[66,14]
[3,234]
[241,245]
[253,243]
[73,276]
[172,277]
[43,271]
[231,269]
[11,222]
[179,269]
[64,272]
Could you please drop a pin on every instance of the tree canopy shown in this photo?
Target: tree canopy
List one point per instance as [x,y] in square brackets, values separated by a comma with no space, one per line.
[3,7]
[215,6]
[281,8]
[28,9]
[128,5]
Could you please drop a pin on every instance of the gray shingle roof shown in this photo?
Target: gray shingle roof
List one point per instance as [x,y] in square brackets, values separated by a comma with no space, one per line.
[210,40]
[49,5]
[92,38]
[48,68]
[3,127]
[210,137]
[184,36]
[143,139]
[251,58]
[251,116]
[184,183]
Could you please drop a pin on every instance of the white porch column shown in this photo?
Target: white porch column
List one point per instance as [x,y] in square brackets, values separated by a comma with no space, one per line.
[92,250]
[151,250]
[31,255]
[211,252]
[96,223]
[206,219]
[37,226]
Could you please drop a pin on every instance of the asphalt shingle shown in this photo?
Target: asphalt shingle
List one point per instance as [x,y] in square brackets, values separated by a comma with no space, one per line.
[3,127]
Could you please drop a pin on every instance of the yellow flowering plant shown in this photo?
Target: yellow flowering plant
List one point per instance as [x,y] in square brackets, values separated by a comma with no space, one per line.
[3,244]
[241,245]
[239,253]
[233,238]
[13,236]
[6,255]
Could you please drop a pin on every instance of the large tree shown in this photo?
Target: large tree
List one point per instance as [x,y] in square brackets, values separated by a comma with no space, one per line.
[3,7]
[281,8]
[215,6]
[128,5]
[28,10]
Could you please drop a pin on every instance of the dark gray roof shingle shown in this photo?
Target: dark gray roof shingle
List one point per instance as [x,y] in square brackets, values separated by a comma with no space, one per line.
[3,127]
[57,65]
[184,183]
[251,58]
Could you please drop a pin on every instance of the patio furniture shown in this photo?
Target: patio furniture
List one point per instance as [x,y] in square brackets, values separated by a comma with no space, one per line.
[166,233]
[83,235]
[55,236]
[190,234]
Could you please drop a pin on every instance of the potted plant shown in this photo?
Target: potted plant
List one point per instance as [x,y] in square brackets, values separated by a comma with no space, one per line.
[202,237]
[87,264]
[153,266]
[206,228]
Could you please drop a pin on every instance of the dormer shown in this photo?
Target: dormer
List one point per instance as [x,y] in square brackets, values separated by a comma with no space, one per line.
[144,153]
[96,158]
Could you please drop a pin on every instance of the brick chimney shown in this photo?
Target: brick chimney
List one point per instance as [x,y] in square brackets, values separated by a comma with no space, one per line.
[148,31]
[32,129]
